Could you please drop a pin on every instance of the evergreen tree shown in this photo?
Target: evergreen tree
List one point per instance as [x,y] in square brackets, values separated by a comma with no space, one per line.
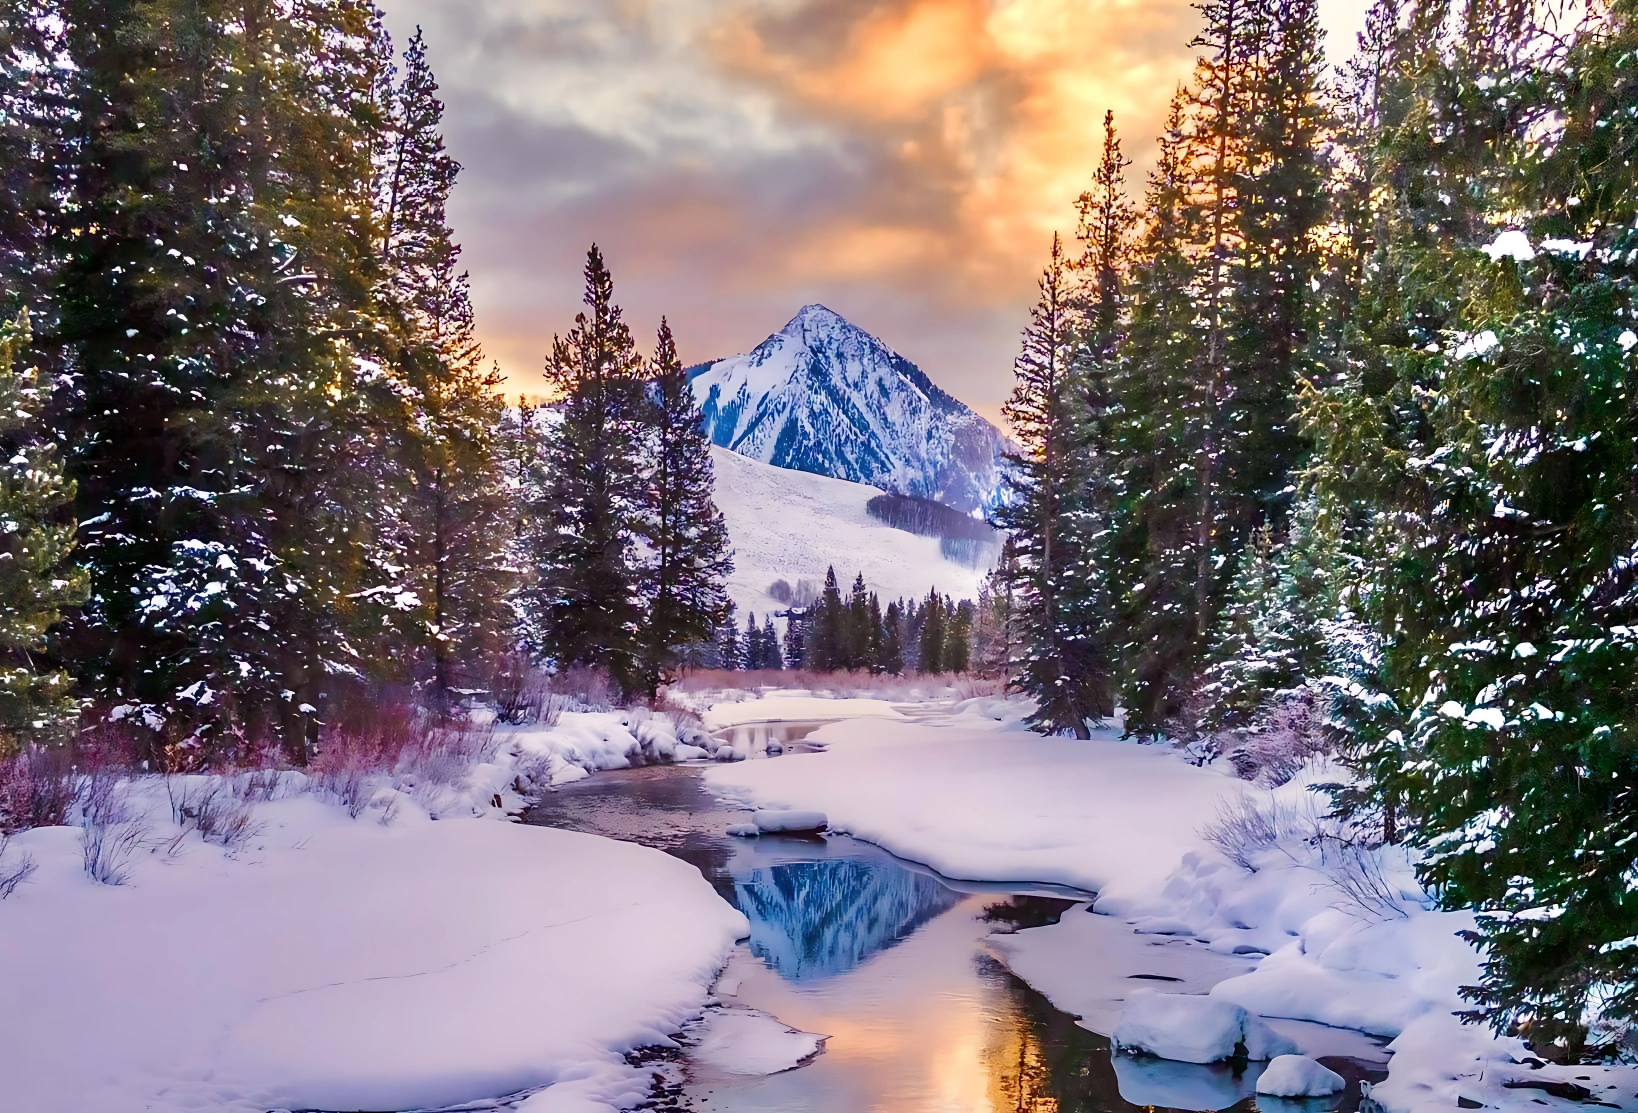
[931,655]
[893,640]
[730,652]
[874,635]
[771,656]
[37,579]
[796,644]
[586,598]
[858,625]
[1062,666]
[751,644]
[958,636]
[452,532]
[213,318]
[827,633]
[687,536]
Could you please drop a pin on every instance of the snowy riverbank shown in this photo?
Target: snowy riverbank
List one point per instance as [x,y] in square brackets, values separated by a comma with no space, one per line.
[1311,931]
[384,942]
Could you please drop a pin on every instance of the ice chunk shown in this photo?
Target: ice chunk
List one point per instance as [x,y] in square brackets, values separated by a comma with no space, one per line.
[1194,1028]
[744,830]
[742,1041]
[770,822]
[1298,1076]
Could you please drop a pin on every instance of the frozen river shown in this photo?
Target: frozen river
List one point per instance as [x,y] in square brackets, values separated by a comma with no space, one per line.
[886,959]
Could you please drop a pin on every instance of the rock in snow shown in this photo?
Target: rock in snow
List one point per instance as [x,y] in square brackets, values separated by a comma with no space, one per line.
[770,822]
[1298,1076]
[822,395]
[1193,1028]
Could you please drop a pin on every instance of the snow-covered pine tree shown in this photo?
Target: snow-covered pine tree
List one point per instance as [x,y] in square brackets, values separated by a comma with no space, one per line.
[1061,665]
[689,562]
[1163,415]
[586,601]
[796,648]
[1509,591]
[212,309]
[730,650]
[38,580]
[752,648]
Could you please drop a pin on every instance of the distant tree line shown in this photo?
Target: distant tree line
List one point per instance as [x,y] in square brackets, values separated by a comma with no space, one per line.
[853,633]
[1339,421]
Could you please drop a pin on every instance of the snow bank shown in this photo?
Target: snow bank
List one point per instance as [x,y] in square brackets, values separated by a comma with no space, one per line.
[987,804]
[1438,1062]
[1298,1076]
[773,822]
[1192,1028]
[385,962]
[792,708]
[744,1041]
[582,743]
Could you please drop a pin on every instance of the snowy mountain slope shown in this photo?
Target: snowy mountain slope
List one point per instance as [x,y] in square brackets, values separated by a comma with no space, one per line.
[824,396]
[790,525]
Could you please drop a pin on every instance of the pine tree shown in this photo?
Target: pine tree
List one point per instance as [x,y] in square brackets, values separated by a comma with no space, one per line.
[686,533]
[1061,664]
[212,312]
[37,579]
[827,633]
[858,625]
[958,636]
[893,640]
[730,652]
[586,598]
[931,655]
[771,656]
[874,635]
[796,643]
[452,530]
[751,645]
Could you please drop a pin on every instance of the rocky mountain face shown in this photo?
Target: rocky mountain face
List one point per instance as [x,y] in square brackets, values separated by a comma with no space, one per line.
[822,395]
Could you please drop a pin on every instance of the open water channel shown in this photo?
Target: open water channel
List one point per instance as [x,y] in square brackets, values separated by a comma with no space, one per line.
[888,960]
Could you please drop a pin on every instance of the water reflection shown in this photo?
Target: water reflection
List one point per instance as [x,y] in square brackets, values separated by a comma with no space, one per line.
[889,961]
[833,908]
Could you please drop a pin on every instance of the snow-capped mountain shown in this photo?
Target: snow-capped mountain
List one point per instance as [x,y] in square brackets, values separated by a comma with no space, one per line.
[822,395]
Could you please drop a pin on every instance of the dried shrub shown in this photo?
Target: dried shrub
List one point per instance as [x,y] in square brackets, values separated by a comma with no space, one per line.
[583,689]
[14,872]
[370,743]
[109,833]
[36,789]
[210,806]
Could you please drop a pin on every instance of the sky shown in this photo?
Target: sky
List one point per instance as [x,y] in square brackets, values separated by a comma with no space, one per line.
[904,162]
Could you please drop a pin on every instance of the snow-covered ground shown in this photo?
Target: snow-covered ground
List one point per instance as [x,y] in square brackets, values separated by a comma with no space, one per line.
[1319,937]
[416,953]
[790,525]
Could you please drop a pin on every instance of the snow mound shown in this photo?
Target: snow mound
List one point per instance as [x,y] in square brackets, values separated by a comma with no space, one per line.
[744,830]
[1193,1028]
[772,822]
[1298,1076]
[783,708]
[743,1041]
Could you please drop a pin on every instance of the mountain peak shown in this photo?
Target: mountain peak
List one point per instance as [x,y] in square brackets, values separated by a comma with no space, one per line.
[822,395]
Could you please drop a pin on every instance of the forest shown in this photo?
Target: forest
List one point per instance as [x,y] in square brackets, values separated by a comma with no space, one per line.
[1330,434]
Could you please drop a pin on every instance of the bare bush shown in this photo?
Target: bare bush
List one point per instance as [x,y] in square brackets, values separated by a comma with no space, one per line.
[442,754]
[521,690]
[210,806]
[36,789]
[109,833]
[15,872]
[348,756]
[1287,733]
[1245,828]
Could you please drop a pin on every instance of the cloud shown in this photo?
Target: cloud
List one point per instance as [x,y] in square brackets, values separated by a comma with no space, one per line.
[903,161]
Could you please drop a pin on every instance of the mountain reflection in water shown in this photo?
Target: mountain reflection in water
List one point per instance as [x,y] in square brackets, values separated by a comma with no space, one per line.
[825,915]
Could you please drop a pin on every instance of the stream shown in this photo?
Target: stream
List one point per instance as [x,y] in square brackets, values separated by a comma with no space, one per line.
[888,959]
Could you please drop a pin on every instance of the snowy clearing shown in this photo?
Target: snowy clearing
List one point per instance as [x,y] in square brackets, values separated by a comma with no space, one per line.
[775,707]
[387,961]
